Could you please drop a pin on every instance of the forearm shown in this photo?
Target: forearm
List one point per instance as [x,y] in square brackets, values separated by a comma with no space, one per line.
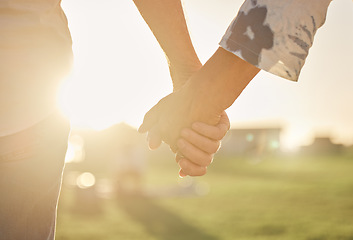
[167,22]
[221,80]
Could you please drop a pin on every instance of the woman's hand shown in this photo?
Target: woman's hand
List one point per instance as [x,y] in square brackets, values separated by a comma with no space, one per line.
[198,144]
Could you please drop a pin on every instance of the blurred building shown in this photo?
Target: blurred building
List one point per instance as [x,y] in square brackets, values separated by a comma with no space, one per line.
[101,148]
[323,146]
[348,151]
[251,141]
[115,157]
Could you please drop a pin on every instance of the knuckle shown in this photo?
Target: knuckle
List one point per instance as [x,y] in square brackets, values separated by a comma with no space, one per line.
[219,136]
[212,147]
[224,130]
[206,160]
[216,147]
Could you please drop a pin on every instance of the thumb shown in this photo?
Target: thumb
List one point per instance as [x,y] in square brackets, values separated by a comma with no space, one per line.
[154,139]
[151,118]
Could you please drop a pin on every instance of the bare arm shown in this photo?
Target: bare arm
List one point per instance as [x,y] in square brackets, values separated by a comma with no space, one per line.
[220,81]
[203,98]
[167,22]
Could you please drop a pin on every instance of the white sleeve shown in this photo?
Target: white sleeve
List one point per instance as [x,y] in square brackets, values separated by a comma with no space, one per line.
[275,35]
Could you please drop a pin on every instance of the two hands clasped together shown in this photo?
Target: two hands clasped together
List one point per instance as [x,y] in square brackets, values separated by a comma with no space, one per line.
[192,119]
[172,121]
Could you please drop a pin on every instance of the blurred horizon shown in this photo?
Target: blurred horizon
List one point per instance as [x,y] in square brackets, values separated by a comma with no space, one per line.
[120,71]
[114,187]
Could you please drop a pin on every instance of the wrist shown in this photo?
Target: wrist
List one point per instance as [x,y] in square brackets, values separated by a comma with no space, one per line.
[226,76]
[181,71]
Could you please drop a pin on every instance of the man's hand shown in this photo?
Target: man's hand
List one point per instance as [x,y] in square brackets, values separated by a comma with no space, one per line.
[202,99]
[179,110]
[196,145]
[181,73]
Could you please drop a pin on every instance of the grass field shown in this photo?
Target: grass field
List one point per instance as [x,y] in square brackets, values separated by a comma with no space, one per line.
[286,198]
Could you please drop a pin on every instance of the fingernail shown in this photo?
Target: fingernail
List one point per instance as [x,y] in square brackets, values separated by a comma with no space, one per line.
[182,174]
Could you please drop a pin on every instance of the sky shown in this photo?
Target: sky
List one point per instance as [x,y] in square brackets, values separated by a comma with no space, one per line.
[120,71]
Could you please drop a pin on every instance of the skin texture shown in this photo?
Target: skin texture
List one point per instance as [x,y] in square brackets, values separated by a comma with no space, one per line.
[202,99]
[191,160]
[167,22]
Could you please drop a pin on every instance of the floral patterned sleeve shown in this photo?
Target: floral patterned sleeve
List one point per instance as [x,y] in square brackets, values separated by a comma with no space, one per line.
[275,35]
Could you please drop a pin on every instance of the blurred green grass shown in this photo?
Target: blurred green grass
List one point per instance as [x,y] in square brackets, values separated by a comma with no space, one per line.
[290,198]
